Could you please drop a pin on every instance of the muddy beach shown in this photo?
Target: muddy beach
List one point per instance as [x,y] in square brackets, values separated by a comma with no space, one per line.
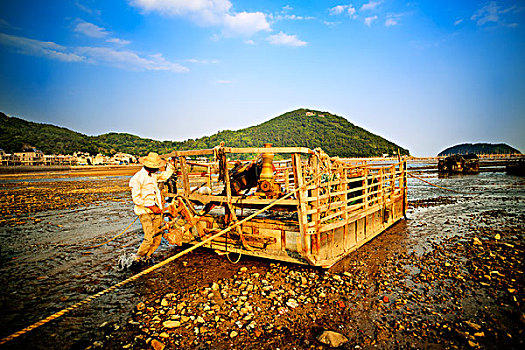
[451,276]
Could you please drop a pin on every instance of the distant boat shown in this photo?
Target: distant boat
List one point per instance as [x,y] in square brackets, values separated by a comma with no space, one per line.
[459,164]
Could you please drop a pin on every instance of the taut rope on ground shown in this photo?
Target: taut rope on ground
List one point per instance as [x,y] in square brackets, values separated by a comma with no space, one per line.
[120,234]
[431,184]
[148,270]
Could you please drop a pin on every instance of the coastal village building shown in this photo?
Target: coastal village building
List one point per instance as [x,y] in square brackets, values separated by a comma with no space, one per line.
[100,159]
[83,158]
[52,159]
[33,157]
[36,157]
[7,159]
[123,158]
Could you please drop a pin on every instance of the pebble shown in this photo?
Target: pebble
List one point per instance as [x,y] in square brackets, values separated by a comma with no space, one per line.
[171,324]
[157,345]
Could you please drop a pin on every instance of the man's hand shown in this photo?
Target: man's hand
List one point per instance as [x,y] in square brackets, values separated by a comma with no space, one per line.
[155,209]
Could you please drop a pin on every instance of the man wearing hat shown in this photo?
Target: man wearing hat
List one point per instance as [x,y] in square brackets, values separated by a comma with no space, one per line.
[148,201]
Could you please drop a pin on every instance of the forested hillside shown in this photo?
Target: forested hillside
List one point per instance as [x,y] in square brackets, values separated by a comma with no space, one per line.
[334,134]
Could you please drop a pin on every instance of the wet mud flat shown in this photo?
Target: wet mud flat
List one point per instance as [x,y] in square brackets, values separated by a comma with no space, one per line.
[451,276]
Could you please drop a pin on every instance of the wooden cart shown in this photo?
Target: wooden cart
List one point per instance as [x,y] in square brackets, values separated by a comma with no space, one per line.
[338,204]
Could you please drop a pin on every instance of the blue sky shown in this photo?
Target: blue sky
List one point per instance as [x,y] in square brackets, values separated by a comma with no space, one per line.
[424,74]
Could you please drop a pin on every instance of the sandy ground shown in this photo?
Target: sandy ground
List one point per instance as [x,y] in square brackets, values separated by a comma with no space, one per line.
[451,276]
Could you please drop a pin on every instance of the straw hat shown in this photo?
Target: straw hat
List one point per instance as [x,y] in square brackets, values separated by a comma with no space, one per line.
[152,160]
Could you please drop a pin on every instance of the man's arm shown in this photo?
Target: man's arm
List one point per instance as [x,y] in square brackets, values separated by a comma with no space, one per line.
[163,176]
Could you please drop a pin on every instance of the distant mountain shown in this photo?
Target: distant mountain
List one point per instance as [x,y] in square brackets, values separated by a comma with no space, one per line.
[479,148]
[302,127]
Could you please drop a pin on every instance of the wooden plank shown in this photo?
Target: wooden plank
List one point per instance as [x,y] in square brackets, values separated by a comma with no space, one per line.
[273,150]
[239,200]
[303,244]
[328,206]
[194,152]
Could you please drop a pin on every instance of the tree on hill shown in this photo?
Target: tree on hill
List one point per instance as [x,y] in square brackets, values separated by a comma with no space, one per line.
[479,148]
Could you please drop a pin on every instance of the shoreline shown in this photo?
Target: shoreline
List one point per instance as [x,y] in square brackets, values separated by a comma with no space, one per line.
[44,171]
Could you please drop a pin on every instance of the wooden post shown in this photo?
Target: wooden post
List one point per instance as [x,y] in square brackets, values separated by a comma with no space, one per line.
[381,186]
[303,242]
[365,189]
[343,177]
[227,182]
[286,179]
[185,178]
[316,217]
[405,192]
[208,168]
[392,181]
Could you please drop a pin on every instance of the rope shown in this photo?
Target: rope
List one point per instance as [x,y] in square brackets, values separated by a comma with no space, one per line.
[443,188]
[148,270]
[120,234]
[236,261]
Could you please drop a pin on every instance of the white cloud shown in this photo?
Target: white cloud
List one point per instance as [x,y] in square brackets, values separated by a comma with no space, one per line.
[31,47]
[292,17]
[94,31]
[245,23]
[337,10]
[285,40]
[124,59]
[5,24]
[389,22]
[209,13]
[458,22]
[370,5]
[392,19]
[493,13]
[118,41]
[249,42]
[194,60]
[87,9]
[223,81]
[90,29]
[331,24]
[369,20]
[341,9]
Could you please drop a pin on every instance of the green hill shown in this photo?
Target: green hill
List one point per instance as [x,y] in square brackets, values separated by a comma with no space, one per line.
[479,148]
[334,134]
[17,135]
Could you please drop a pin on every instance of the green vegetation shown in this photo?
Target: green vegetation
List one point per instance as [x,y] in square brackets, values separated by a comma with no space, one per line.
[334,134]
[17,135]
[479,148]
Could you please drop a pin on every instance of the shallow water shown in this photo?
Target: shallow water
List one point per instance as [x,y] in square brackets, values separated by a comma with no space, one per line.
[44,266]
